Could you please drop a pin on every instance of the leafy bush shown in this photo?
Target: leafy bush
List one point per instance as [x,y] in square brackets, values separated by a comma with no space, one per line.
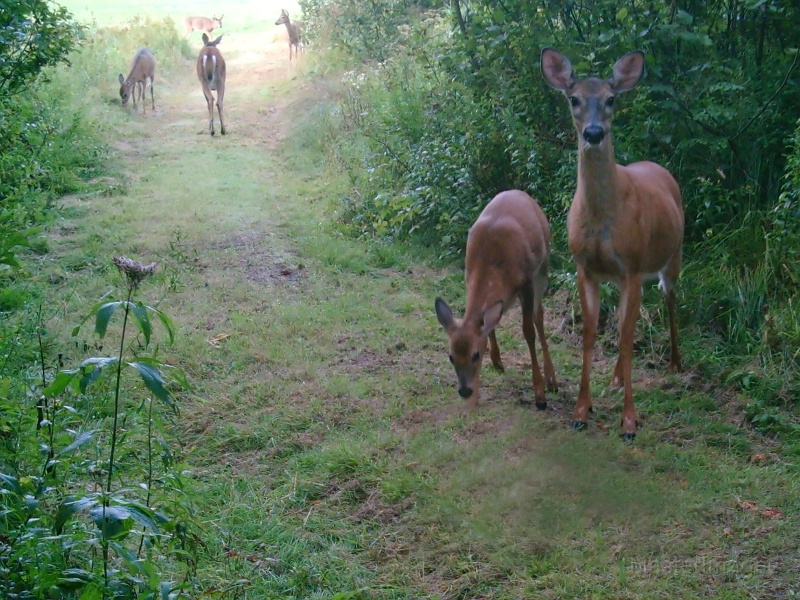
[94,500]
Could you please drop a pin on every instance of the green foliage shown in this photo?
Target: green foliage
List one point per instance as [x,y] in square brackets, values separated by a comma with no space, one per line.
[34,34]
[72,482]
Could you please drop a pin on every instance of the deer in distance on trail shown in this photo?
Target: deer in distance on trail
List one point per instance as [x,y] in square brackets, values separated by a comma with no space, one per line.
[202,24]
[295,31]
[508,249]
[143,69]
[625,223]
[211,73]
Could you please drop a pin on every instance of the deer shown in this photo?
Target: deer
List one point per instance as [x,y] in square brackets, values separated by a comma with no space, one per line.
[211,73]
[202,23]
[625,224]
[295,30]
[143,68]
[508,249]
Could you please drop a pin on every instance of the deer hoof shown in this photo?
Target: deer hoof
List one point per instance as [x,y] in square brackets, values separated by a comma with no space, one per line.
[541,405]
[579,425]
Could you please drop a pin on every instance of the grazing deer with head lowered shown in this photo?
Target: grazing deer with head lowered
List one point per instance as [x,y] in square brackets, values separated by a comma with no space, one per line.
[202,24]
[143,69]
[508,248]
[295,30]
[211,73]
[625,223]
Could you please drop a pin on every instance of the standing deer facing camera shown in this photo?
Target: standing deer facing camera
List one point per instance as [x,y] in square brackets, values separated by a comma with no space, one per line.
[295,30]
[211,73]
[625,223]
[508,248]
[143,68]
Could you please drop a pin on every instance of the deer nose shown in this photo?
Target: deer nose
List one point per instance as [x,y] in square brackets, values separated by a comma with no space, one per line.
[594,134]
[465,392]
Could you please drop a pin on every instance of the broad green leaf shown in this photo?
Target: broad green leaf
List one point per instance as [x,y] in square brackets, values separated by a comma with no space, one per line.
[622,14]
[104,313]
[90,376]
[70,507]
[91,592]
[684,18]
[153,380]
[139,311]
[11,483]
[60,383]
[114,522]
[166,588]
[167,322]
[83,438]
[143,515]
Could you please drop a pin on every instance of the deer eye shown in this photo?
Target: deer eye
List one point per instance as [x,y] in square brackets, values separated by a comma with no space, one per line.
[476,356]
[610,101]
[574,101]
[450,356]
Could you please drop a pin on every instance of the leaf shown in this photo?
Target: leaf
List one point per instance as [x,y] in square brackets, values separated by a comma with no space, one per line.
[70,507]
[11,483]
[104,313]
[83,438]
[92,592]
[167,322]
[143,515]
[166,588]
[90,376]
[622,14]
[60,383]
[153,380]
[114,522]
[139,311]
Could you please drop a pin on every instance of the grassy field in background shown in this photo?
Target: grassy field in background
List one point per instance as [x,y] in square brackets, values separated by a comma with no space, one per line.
[332,453]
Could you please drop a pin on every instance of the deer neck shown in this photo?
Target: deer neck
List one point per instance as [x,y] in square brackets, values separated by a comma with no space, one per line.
[485,286]
[598,188]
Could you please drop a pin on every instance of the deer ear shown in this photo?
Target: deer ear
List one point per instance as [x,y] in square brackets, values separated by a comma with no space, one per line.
[443,313]
[491,317]
[205,39]
[628,71]
[557,70]
[121,79]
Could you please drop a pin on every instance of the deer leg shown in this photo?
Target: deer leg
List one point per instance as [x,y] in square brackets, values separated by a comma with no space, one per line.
[667,284]
[529,331]
[540,286]
[220,96]
[210,105]
[630,301]
[589,291]
[674,353]
[494,352]
[152,94]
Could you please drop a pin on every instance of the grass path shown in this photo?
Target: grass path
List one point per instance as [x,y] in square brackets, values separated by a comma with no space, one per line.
[332,452]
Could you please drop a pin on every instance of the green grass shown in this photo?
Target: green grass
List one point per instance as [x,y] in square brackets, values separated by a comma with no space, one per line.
[331,451]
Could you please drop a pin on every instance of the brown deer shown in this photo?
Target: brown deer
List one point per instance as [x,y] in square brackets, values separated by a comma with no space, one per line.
[625,223]
[295,30]
[508,248]
[202,24]
[143,68]
[211,73]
